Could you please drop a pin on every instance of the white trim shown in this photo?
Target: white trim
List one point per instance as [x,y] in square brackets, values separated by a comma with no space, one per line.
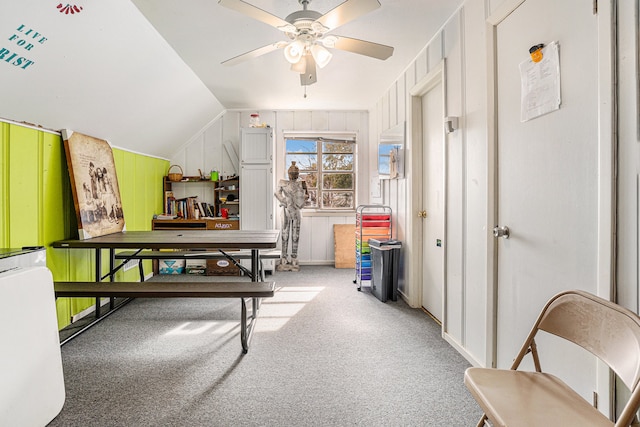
[460,349]
[607,183]
[59,133]
[502,11]
[347,136]
[491,320]
[316,212]
[30,126]
[87,311]
[137,152]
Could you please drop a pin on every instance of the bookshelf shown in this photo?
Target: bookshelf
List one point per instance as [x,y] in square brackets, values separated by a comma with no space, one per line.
[222,200]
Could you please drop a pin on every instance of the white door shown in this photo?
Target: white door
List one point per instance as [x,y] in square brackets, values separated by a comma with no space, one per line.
[256,145]
[256,197]
[433,197]
[547,176]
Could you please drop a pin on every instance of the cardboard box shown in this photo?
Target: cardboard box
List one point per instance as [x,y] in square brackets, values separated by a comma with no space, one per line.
[221,267]
[196,266]
[344,245]
[171,266]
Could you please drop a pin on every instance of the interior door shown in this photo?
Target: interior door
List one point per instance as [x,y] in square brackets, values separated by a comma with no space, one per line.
[433,196]
[547,177]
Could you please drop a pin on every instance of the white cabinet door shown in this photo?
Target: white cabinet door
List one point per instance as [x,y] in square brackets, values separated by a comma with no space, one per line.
[256,196]
[256,182]
[256,145]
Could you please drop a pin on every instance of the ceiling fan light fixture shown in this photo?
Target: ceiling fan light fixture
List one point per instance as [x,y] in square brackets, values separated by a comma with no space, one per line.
[321,55]
[329,41]
[300,66]
[294,51]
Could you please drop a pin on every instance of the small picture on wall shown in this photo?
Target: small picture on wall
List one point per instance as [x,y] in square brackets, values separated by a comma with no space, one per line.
[391,153]
[94,185]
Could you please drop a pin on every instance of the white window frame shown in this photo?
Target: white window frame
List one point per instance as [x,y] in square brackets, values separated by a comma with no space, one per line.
[327,135]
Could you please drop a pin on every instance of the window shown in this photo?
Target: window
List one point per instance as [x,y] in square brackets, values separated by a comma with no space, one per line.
[328,167]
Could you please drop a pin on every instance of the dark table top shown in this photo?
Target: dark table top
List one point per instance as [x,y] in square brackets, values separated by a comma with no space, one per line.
[9,252]
[179,239]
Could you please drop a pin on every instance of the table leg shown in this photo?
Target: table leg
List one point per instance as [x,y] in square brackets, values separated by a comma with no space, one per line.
[112,266]
[141,269]
[97,272]
[244,332]
[255,265]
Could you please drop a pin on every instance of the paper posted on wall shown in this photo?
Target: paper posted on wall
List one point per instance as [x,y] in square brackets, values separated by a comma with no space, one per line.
[540,84]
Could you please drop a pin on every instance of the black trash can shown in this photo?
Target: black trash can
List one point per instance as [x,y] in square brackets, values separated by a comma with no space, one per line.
[385,259]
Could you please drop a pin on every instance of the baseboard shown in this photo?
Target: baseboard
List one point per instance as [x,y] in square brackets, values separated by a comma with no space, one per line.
[448,338]
[92,309]
[87,311]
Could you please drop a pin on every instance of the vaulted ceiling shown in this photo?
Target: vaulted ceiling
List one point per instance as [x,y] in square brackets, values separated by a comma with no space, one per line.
[147,74]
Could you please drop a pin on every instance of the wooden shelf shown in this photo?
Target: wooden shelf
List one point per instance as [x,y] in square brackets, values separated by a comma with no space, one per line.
[195,224]
[220,190]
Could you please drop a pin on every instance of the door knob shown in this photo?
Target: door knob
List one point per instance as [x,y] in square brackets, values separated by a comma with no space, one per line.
[502,231]
[422,214]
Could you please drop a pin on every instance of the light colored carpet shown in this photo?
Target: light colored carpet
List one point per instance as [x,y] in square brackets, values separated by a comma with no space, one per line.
[323,354]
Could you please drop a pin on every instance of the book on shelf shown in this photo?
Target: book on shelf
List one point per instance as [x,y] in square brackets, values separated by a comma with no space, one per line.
[168,202]
[182,208]
[212,210]
[165,216]
[185,207]
[206,210]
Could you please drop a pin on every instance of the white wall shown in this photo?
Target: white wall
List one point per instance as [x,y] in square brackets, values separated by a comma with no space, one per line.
[206,152]
[461,43]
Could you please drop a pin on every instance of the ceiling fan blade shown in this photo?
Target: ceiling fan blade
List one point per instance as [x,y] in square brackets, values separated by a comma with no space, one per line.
[256,13]
[254,53]
[362,47]
[347,11]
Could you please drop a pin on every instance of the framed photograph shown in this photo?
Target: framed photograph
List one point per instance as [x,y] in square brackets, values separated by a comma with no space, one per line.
[94,184]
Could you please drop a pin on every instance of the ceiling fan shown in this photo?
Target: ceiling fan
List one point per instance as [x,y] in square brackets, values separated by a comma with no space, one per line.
[307,32]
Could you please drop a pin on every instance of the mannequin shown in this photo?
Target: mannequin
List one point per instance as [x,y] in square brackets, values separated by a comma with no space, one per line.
[291,194]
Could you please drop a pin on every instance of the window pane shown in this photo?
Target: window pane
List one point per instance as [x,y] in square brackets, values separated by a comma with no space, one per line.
[301,146]
[384,156]
[337,147]
[337,162]
[303,161]
[341,181]
[311,179]
[312,201]
[337,199]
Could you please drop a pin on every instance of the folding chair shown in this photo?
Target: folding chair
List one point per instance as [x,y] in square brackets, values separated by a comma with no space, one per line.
[520,398]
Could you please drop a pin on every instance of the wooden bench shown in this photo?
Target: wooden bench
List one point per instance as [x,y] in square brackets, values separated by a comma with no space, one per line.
[242,290]
[231,255]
